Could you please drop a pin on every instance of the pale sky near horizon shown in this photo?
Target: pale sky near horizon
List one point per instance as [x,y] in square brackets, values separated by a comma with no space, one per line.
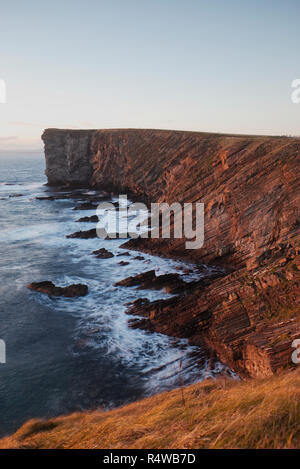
[217,65]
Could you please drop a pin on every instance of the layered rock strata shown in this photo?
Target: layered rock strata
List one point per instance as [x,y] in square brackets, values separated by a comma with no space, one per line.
[250,188]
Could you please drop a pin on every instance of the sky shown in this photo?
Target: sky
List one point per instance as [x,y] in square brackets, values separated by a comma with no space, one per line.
[218,65]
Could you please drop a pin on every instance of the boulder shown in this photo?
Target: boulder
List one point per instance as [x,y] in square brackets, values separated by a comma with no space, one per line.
[93,218]
[84,234]
[103,253]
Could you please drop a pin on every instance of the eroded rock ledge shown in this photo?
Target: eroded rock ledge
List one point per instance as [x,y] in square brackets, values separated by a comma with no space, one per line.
[250,187]
[47,287]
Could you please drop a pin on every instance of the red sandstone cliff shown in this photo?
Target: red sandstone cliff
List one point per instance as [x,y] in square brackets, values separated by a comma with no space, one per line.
[250,187]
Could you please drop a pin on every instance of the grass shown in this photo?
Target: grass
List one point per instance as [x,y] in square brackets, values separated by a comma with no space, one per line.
[261,413]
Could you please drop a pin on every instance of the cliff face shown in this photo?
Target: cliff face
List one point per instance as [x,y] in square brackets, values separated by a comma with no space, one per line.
[250,187]
[67,155]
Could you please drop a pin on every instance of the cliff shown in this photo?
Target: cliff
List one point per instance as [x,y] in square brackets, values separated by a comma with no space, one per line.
[250,188]
[67,156]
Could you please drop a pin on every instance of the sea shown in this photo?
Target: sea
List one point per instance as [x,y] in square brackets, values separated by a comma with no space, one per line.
[72,354]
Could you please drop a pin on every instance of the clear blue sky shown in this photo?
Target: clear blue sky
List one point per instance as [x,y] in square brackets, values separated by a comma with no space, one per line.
[217,65]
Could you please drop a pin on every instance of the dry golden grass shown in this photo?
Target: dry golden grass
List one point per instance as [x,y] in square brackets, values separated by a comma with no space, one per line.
[213,414]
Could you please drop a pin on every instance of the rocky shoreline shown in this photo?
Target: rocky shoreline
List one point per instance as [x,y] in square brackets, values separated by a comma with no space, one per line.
[249,314]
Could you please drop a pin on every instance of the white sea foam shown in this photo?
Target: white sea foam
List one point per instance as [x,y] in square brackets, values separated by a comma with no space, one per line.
[163,362]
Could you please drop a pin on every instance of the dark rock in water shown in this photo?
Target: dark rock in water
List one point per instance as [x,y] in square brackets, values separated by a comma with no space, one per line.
[46,197]
[103,253]
[123,263]
[88,201]
[93,218]
[52,290]
[137,279]
[139,258]
[86,206]
[15,195]
[64,196]
[123,254]
[171,283]
[84,234]
[59,196]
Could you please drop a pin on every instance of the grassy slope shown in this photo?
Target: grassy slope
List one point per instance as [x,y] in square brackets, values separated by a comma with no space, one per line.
[213,414]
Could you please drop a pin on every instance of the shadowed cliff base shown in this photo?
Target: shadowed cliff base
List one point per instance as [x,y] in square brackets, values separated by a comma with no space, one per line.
[262,413]
[250,188]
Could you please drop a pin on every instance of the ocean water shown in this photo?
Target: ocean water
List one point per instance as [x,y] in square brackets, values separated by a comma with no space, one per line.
[73,354]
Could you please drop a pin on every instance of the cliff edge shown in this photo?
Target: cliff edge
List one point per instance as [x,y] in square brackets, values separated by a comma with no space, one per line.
[213,414]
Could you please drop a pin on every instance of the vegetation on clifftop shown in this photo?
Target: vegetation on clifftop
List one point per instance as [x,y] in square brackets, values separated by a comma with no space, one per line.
[261,413]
